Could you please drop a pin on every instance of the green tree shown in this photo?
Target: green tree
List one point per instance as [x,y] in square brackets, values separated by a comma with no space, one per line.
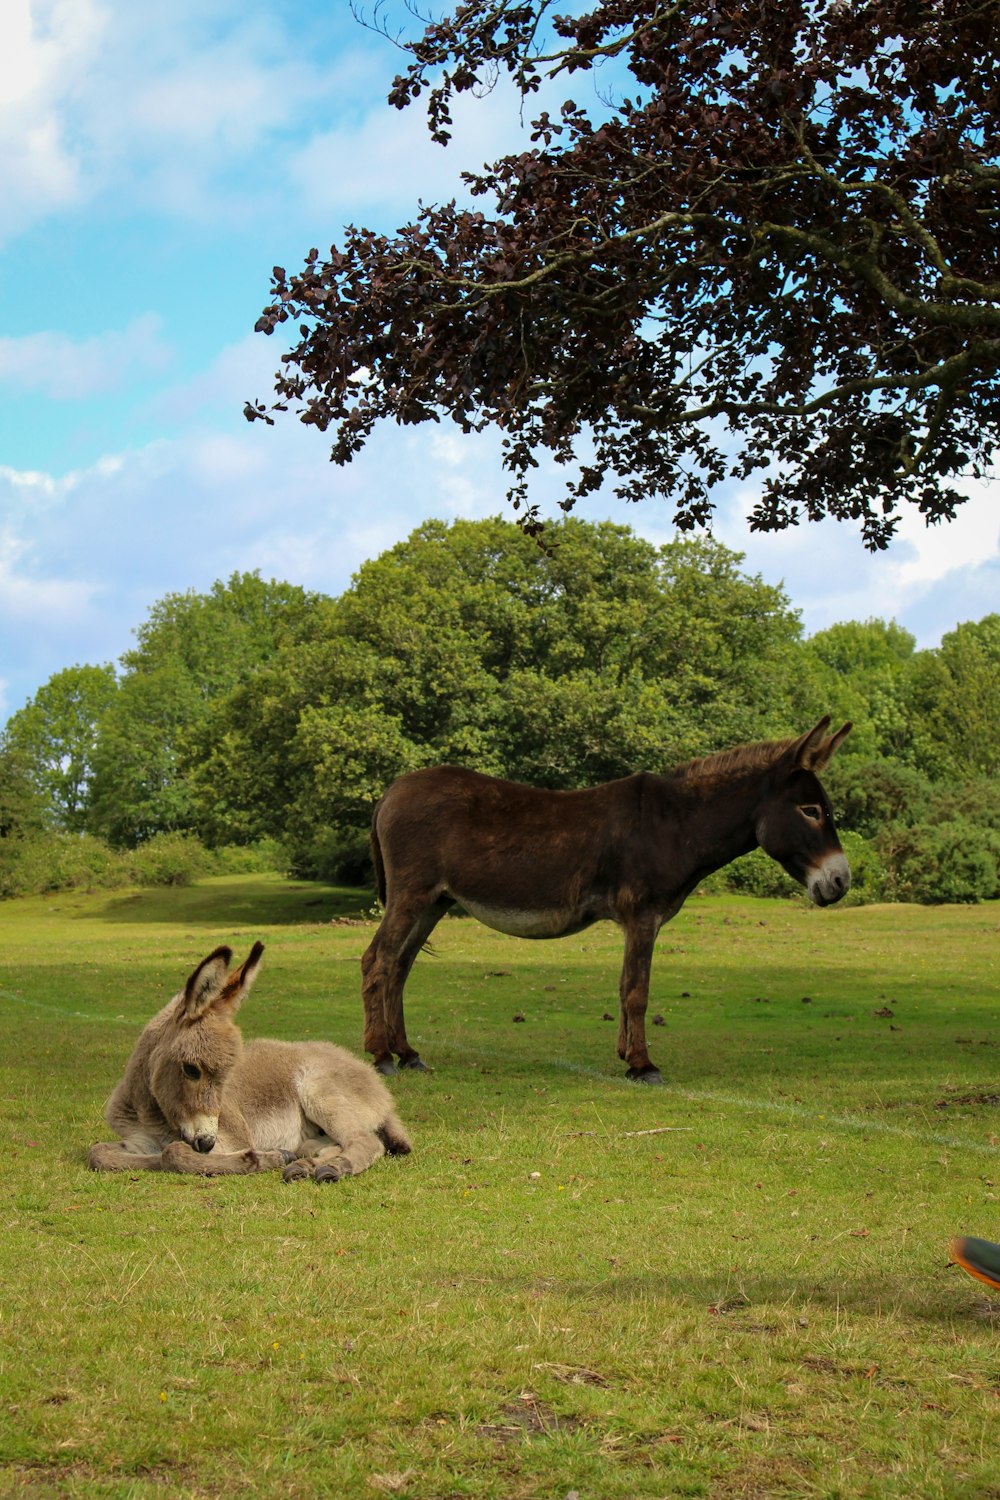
[56,735]
[955,702]
[770,252]
[192,652]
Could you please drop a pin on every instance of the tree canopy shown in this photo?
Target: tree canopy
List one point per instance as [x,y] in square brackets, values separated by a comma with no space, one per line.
[774,258]
[258,715]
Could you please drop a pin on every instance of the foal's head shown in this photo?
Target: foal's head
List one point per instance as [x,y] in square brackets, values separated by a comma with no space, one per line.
[198,1046]
[795,824]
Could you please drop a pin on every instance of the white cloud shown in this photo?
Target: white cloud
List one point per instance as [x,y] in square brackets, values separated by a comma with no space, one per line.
[105,96]
[85,554]
[46,45]
[387,160]
[72,369]
[831,576]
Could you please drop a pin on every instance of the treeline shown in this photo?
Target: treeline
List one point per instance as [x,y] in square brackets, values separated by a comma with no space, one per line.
[259,722]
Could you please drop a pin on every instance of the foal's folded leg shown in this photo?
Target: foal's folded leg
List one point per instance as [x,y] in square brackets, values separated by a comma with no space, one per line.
[180,1157]
[114,1156]
[334,1162]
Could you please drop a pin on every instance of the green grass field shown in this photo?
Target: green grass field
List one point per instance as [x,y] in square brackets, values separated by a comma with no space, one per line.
[737,1285]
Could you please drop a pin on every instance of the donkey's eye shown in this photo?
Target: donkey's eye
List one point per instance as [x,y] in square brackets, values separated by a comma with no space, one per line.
[812,812]
[190,1071]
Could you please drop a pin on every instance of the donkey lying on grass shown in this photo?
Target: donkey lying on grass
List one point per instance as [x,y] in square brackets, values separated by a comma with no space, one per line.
[194,1099]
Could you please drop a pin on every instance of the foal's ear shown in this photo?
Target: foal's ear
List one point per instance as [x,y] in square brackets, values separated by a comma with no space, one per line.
[237,986]
[205,983]
[814,750]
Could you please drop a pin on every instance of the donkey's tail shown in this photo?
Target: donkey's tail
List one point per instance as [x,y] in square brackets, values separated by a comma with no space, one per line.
[377,859]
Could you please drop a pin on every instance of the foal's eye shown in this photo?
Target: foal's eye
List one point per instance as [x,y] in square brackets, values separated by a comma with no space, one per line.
[190,1071]
[813,813]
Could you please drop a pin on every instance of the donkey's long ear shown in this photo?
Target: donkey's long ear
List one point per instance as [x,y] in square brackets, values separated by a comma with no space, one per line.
[237,986]
[205,984]
[814,749]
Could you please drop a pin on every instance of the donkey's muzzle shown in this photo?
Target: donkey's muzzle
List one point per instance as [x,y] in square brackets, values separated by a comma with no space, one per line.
[204,1143]
[830,881]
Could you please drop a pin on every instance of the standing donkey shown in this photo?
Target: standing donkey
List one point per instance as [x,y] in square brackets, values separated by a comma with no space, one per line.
[545,864]
[194,1099]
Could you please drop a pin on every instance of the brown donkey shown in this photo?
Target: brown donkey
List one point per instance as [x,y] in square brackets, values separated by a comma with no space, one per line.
[544,864]
[194,1099]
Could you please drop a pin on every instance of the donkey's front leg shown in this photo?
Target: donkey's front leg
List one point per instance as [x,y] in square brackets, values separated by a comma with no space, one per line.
[180,1157]
[640,935]
[114,1156]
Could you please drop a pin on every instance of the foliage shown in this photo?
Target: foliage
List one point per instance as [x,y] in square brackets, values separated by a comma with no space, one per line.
[54,860]
[562,665]
[773,254]
[56,735]
[48,860]
[952,861]
[956,693]
[871,795]
[193,650]
[22,808]
[167,859]
[451,1324]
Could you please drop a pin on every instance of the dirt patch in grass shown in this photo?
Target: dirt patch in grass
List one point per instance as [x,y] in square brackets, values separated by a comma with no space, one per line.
[527,1417]
[975,1098]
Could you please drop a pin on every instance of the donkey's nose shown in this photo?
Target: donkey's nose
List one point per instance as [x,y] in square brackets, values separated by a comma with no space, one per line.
[204,1143]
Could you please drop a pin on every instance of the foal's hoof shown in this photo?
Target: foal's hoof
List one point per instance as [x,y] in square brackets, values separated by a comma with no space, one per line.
[328,1173]
[414,1063]
[386,1067]
[645,1075]
[297,1170]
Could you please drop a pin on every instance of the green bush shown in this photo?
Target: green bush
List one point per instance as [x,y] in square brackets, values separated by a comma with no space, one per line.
[340,854]
[258,858]
[755,874]
[868,874]
[57,861]
[869,796]
[168,859]
[937,862]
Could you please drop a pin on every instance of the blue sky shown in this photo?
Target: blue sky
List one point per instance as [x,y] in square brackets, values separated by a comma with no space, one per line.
[155,163]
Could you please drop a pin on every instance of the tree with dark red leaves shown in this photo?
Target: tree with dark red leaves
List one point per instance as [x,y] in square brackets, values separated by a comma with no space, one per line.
[779,256]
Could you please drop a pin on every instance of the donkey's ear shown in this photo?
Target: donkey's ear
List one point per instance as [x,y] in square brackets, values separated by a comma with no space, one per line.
[237,986]
[205,983]
[829,747]
[814,749]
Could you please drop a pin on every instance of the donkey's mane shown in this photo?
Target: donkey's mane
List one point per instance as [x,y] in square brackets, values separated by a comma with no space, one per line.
[757,757]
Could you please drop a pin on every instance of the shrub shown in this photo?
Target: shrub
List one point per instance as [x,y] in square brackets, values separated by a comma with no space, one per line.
[340,854]
[259,858]
[168,859]
[755,874]
[930,863]
[57,861]
[870,796]
[868,874]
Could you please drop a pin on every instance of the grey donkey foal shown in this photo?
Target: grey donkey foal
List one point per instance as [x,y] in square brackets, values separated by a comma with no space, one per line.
[195,1099]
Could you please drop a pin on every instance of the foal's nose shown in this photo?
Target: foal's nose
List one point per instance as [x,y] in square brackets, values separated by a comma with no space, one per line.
[204,1143]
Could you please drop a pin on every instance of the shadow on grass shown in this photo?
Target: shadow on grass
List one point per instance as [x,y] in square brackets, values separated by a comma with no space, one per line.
[242,900]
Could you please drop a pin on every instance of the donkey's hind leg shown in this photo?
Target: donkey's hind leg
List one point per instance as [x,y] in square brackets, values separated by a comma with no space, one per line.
[331,1163]
[640,935]
[385,967]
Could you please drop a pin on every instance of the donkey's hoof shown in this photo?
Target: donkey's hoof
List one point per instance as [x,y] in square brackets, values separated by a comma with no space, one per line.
[414,1063]
[328,1173]
[297,1170]
[645,1075]
[287,1156]
[386,1067]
